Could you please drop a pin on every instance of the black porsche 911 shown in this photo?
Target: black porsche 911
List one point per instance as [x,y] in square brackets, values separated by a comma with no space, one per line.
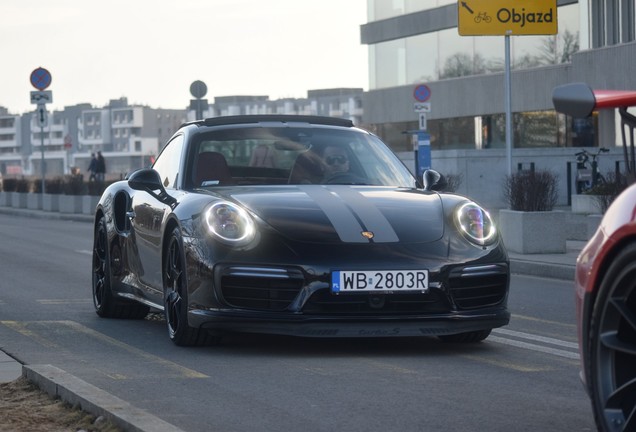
[295,225]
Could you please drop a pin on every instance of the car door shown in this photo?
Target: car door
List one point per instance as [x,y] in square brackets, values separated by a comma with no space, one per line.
[150,215]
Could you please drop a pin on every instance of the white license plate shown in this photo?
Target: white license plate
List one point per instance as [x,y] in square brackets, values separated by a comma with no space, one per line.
[346,281]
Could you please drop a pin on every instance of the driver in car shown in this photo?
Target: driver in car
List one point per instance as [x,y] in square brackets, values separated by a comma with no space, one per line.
[335,161]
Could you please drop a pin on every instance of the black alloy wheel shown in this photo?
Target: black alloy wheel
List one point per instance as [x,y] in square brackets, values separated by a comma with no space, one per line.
[102,295]
[612,354]
[106,304]
[176,297]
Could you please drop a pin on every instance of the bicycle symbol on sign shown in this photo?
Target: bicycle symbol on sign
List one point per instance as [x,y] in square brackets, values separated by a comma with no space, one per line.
[483,16]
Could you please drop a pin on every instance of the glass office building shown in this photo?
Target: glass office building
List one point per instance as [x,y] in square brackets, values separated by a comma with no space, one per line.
[414,42]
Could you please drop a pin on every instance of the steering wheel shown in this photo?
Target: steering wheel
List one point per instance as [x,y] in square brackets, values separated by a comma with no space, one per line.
[344,178]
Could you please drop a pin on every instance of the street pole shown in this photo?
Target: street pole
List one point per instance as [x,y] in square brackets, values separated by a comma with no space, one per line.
[508,103]
[41,113]
[40,79]
[42,150]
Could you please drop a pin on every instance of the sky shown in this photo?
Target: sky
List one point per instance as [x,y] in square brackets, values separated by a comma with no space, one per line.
[150,51]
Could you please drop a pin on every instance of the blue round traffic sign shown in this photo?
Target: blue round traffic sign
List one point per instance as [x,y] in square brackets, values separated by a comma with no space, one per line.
[422,93]
[198,89]
[41,78]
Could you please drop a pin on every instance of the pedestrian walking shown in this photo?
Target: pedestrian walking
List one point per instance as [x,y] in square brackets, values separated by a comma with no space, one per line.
[100,170]
[92,168]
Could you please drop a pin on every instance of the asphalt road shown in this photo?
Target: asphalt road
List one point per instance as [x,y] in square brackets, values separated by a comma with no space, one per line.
[523,377]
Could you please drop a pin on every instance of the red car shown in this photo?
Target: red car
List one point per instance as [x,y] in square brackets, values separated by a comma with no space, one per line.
[605,279]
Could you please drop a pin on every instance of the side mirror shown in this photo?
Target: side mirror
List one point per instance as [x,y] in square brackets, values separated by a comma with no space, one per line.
[148,180]
[145,179]
[433,180]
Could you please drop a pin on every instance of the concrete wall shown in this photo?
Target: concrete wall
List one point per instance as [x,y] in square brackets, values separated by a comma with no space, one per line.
[484,171]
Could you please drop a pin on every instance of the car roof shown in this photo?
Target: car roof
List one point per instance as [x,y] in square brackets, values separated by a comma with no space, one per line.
[269,118]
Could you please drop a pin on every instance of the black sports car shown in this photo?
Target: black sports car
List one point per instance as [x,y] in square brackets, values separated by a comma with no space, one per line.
[296,225]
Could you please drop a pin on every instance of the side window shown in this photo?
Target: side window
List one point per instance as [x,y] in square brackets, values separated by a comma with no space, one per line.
[168,162]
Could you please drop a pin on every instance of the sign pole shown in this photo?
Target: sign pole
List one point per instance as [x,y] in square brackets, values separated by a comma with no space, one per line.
[40,113]
[198,89]
[42,151]
[506,18]
[40,79]
[422,146]
[508,102]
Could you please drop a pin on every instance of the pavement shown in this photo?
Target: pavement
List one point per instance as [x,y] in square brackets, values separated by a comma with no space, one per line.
[553,266]
[59,383]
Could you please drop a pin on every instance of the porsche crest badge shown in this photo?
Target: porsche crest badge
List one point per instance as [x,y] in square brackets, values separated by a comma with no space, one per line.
[367,234]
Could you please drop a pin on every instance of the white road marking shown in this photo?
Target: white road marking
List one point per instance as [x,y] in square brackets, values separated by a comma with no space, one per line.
[534,347]
[64,301]
[536,338]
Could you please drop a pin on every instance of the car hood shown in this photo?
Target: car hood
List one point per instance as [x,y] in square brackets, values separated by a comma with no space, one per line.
[349,214]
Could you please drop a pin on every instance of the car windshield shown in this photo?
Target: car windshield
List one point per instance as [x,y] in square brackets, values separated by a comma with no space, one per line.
[284,155]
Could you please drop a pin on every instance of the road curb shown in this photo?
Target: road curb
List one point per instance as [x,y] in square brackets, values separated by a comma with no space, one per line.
[39,214]
[542,269]
[58,383]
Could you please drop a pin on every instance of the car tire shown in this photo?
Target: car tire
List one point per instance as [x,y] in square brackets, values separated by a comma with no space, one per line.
[468,337]
[611,370]
[176,297]
[106,304]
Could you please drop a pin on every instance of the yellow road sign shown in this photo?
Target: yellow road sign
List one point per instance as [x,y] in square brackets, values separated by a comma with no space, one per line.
[506,17]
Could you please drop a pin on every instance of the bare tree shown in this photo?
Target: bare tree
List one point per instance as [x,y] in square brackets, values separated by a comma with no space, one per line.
[559,48]
[570,46]
[553,50]
[462,64]
[457,65]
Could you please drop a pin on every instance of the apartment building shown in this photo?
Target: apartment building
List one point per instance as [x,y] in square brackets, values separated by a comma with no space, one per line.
[130,136]
[11,156]
[337,102]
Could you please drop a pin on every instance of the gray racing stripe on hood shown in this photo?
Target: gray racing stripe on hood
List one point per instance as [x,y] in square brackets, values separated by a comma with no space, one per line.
[345,208]
[371,217]
[343,220]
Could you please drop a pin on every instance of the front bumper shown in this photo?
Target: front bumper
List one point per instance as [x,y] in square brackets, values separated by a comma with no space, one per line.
[347,326]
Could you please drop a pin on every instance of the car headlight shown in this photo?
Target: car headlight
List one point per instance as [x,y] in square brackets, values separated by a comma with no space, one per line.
[475,223]
[230,223]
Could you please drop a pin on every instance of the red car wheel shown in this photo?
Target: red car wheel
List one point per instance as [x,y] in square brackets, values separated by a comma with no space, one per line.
[612,361]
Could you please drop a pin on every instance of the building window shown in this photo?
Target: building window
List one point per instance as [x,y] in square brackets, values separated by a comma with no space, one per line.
[613,22]
[530,130]
[445,54]
[383,9]
[7,122]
